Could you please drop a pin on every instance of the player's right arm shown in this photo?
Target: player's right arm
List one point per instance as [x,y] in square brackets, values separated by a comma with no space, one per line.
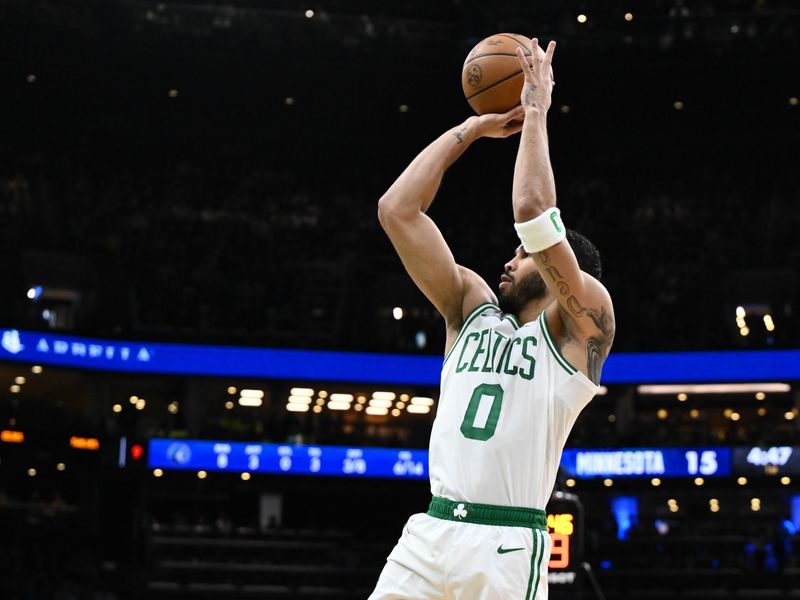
[401,211]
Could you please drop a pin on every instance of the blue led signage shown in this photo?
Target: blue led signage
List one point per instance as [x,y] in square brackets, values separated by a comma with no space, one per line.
[307,365]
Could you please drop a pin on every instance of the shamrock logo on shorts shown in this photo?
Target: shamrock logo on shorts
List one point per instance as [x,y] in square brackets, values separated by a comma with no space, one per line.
[459,511]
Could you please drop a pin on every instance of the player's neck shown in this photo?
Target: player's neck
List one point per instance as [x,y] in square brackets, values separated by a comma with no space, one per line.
[531,310]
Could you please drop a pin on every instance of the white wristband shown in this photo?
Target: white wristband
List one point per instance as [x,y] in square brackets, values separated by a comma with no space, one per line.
[541,233]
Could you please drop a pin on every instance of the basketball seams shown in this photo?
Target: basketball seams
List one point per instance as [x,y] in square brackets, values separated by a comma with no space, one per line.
[525,49]
[489,54]
[494,85]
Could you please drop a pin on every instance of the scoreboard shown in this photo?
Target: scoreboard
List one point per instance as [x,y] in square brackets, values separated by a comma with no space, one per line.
[405,463]
[647,462]
[775,460]
[238,457]
[565,524]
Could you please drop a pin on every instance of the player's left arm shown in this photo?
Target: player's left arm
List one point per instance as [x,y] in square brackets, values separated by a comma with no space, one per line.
[584,314]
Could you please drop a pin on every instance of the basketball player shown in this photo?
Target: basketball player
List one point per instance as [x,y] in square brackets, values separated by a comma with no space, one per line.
[517,370]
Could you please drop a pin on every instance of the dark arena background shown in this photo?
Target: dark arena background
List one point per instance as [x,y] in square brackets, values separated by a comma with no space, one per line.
[217,380]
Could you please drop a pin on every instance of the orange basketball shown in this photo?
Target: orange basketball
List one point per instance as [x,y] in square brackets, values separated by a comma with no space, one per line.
[492,78]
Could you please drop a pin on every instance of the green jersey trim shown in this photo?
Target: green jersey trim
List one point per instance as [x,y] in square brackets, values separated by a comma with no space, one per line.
[513,320]
[487,514]
[554,349]
[470,317]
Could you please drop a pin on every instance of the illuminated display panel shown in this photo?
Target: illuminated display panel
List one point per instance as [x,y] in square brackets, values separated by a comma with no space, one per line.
[647,462]
[307,365]
[565,524]
[774,460]
[239,457]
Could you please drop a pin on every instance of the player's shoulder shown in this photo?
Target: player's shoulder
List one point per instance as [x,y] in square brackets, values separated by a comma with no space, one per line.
[476,295]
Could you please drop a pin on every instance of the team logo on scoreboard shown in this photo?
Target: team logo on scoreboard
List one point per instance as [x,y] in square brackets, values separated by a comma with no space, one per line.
[179,453]
[11,342]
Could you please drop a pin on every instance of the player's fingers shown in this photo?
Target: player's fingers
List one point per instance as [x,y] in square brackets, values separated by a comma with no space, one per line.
[548,58]
[514,113]
[526,67]
[512,129]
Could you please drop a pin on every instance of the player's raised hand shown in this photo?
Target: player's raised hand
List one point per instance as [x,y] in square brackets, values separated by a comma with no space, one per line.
[538,87]
[501,125]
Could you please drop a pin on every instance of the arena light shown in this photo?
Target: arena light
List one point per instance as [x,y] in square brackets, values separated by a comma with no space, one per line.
[380,403]
[19,380]
[629,17]
[10,436]
[298,391]
[251,402]
[769,324]
[608,482]
[420,410]
[397,313]
[231,390]
[157,472]
[300,399]
[342,397]
[245,476]
[337,405]
[117,408]
[229,405]
[422,401]
[30,78]
[36,369]
[133,399]
[252,394]
[713,388]
[602,391]
[786,480]
[793,101]
[202,474]
[582,19]
[570,483]
[173,407]
[84,443]
[396,412]
[61,467]
[14,389]
[34,293]
[377,410]
[31,472]
[297,407]
[309,14]
[384,395]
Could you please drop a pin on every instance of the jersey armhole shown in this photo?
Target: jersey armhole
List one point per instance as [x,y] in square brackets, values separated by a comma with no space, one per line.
[553,348]
[470,318]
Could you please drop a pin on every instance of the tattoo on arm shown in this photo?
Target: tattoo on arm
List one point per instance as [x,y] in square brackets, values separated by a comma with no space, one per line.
[597,345]
[530,97]
[459,134]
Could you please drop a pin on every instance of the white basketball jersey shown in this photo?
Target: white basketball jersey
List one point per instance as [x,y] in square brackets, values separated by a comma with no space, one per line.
[507,404]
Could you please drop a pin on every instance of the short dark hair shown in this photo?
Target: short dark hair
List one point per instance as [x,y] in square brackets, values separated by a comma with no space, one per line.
[586,253]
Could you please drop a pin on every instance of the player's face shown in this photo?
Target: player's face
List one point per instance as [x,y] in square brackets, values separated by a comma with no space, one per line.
[520,283]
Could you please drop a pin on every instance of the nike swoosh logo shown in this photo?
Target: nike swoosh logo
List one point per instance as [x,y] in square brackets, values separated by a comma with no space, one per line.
[501,550]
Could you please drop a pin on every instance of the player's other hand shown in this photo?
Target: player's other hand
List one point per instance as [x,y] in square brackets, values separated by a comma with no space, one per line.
[500,125]
[538,87]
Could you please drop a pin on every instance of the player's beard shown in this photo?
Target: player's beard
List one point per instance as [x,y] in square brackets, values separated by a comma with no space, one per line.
[522,291]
